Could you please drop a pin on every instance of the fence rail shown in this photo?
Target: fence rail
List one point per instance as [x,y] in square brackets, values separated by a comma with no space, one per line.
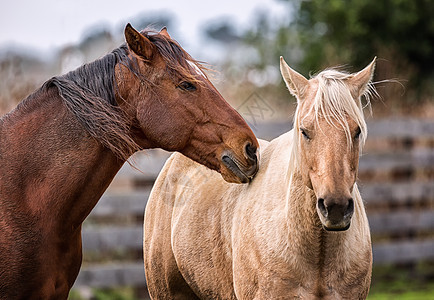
[396,181]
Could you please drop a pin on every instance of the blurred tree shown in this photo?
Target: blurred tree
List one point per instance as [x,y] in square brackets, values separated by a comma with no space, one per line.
[153,20]
[354,31]
[260,36]
[362,27]
[324,33]
[222,31]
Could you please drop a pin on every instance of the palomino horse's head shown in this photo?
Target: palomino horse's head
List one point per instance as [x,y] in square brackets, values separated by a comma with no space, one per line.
[329,130]
[176,107]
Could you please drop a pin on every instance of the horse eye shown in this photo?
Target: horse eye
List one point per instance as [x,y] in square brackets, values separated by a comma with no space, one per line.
[358,132]
[305,135]
[187,86]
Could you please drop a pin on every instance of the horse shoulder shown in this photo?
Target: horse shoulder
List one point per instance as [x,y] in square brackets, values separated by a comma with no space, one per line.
[201,217]
[260,220]
[163,276]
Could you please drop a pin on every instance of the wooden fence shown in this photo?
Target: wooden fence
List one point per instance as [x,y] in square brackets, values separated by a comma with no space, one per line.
[396,181]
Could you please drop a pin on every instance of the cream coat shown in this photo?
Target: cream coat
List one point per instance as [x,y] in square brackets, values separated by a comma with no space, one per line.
[208,239]
[229,241]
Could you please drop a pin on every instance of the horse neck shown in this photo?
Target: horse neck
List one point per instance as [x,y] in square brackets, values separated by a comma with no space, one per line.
[54,168]
[303,222]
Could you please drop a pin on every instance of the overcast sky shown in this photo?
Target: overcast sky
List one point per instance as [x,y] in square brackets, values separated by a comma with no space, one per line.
[47,24]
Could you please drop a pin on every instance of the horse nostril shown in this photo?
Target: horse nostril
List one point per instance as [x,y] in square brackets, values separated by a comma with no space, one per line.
[251,152]
[350,208]
[322,208]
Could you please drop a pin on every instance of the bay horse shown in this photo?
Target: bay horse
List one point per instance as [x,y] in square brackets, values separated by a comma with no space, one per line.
[61,147]
[298,231]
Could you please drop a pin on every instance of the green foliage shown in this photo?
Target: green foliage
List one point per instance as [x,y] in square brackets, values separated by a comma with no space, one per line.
[400,32]
[362,28]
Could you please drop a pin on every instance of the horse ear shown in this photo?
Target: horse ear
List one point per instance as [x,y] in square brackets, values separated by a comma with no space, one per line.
[164,32]
[296,83]
[359,82]
[138,43]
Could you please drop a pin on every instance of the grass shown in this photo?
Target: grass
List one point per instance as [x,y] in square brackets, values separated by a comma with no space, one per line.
[404,282]
[125,293]
[392,282]
[424,295]
[122,294]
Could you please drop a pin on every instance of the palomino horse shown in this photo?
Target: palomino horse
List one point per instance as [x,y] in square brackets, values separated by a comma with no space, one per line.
[61,147]
[298,230]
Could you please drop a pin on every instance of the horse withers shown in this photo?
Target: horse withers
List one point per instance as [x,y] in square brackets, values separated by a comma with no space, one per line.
[61,147]
[298,231]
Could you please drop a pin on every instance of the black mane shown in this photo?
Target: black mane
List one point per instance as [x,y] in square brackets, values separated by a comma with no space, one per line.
[89,94]
[89,91]
[96,78]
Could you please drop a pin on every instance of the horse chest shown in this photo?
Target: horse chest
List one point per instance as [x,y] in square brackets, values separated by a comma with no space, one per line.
[335,275]
[317,268]
[294,282]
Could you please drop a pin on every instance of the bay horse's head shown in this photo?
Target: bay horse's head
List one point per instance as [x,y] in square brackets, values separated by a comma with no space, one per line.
[329,130]
[175,107]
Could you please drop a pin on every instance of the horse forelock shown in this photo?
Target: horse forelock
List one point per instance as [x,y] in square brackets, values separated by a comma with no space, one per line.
[178,61]
[334,103]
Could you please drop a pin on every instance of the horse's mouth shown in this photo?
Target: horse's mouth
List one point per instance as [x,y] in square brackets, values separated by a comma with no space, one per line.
[244,174]
[342,225]
[336,228]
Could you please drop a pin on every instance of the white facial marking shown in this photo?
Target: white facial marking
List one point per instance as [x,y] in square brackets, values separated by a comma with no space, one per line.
[196,68]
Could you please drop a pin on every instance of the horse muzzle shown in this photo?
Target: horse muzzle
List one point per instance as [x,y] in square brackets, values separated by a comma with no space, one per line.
[243,169]
[335,214]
